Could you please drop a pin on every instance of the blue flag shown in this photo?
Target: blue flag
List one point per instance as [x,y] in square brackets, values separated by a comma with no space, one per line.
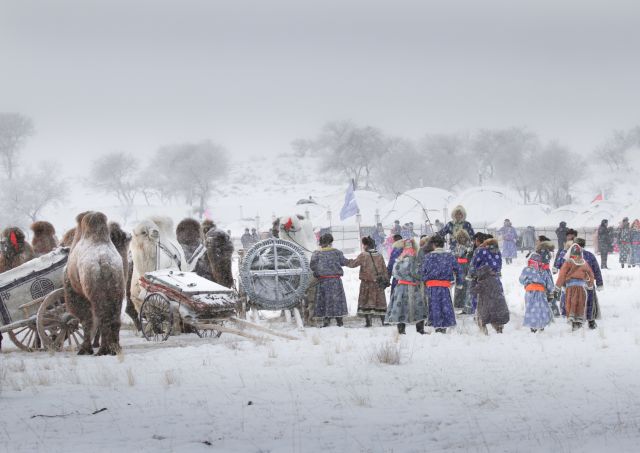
[350,207]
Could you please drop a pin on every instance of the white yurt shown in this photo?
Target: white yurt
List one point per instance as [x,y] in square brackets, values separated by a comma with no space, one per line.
[523,216]
[411,205]
[485,205]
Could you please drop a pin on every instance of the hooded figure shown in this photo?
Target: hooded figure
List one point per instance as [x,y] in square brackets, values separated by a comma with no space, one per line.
[509,241]
[326,265]
[576,277]
[486,266]
[407,303]
[538,286]
[593,305]
[458,222]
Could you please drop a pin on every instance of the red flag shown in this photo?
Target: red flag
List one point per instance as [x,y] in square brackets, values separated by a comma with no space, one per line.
[598,197]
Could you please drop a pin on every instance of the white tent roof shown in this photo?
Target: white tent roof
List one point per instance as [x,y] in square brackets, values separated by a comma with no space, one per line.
[485,205]
[592,214]
[410,206]
[523,216]
[562,214]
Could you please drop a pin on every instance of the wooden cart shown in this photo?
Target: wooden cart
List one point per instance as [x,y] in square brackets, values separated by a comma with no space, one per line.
[32,309]
[175,300]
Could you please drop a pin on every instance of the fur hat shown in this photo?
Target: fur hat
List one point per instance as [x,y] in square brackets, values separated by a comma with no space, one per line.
[326,240]
[572,232]
[580,241]
[397,237]
[462,237]
[459,209]
[490,242]
[543,238]
[545,245]
[368,242]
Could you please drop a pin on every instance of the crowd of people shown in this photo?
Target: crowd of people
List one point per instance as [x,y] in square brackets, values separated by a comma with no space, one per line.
[421,273]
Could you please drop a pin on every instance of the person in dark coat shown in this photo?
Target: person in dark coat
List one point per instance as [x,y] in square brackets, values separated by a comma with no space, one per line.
[246,239]
[561,233]
[593,306]
[459,221]
[529,239]
[478,239]
[605,242]
[439,269]
[372,300]
[326,265]
[396,250]
[624,241]
[635,244]
[570,235]
[255,237]
[485,272]
[407,304]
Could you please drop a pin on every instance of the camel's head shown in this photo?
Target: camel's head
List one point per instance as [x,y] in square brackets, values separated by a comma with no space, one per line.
[146,231]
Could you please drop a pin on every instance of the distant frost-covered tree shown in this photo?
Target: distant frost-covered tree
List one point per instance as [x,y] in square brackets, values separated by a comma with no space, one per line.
[116,173]
[554,167]
[402,168]
[448,164]
[190,169]
[25,197]
[15,129]
[347,148]
[504,155]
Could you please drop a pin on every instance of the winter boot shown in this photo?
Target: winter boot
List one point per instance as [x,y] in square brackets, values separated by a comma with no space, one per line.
[401,328]
[484,330]
[326,322]
[339,322]
[533,330]
[497,327]
[592,324]
[383,321]
[367,320]
[441,330]
[575,326]
[420,328]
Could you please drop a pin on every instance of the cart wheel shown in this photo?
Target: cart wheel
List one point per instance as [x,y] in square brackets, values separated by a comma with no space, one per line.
[55,325]
[26,337]
[156,317]
[208,333]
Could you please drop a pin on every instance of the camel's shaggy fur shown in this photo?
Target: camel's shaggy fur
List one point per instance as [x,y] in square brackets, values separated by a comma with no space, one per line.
[94,283]
[44,238]
[189,236]
[14,249]
[147,255]
[219,252]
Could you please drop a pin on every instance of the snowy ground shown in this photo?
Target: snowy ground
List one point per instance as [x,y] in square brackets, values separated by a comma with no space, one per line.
[556,391]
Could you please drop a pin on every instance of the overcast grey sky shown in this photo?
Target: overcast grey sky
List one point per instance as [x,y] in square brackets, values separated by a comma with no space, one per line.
[253,75]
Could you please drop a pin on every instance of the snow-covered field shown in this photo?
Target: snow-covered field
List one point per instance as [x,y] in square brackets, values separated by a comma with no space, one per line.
[555,391]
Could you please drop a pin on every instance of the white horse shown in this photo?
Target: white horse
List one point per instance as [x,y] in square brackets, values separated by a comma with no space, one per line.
[153,247]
